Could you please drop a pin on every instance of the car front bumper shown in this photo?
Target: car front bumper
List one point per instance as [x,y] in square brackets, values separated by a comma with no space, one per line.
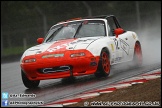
[51,68]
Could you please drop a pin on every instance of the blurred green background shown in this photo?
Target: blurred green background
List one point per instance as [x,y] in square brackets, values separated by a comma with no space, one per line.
[22,22]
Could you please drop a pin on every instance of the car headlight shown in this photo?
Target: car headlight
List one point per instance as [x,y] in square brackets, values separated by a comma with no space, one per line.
[52,55]
[77,54]
[30,60]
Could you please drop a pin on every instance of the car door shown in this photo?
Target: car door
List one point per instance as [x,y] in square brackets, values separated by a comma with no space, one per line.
[120,41]
[124,41]
[118,56]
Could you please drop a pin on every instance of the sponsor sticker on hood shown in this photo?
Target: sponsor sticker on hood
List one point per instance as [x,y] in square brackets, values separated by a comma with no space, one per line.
[61,45]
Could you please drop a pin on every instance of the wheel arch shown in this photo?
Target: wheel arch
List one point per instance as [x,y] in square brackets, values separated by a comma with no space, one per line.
[96,47]
[137,57]
[138,43]
[106,50]
[103,69]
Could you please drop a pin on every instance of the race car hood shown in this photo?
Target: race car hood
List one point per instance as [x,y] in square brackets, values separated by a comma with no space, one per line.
[61,45]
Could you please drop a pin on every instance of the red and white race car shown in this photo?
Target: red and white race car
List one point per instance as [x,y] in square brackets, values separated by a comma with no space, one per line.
[80,46]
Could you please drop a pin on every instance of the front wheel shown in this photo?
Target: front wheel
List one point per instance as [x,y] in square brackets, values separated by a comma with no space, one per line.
[104,64]
[137,59]
[29,83]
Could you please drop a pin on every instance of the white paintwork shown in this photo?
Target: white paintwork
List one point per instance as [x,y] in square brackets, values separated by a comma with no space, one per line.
[118,54]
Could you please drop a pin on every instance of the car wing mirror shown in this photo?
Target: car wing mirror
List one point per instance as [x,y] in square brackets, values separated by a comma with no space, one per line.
[40,40]
[118,31]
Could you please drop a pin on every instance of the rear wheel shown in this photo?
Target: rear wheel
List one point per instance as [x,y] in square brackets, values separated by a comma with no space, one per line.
[137,59]
[29,83]
[104,64]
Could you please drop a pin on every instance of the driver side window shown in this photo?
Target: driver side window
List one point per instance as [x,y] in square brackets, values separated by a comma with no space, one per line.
[112,26]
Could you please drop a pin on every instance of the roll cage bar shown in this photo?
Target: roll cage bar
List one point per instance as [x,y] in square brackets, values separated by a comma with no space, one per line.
[100,16]
[106,17]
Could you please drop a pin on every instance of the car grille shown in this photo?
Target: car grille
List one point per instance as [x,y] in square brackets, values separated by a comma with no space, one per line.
[54,69]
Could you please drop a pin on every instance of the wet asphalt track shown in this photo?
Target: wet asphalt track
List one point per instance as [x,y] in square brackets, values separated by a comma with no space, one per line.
[54,89]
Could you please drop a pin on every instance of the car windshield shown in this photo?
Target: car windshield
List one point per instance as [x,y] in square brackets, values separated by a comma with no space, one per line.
[77,29]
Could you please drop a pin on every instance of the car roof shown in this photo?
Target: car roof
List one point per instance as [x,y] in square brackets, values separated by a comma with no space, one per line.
[99,16]
[89,17]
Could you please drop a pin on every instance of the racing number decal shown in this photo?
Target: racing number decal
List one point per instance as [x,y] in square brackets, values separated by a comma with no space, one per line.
[116,44]
[123,44]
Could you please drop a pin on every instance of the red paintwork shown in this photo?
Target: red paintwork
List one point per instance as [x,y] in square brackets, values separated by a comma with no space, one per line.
[59,45]
[40,40]
[81,65]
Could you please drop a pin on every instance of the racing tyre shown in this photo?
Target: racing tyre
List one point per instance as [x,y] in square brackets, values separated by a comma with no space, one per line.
[103,69]
[137,59]
[28,83]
